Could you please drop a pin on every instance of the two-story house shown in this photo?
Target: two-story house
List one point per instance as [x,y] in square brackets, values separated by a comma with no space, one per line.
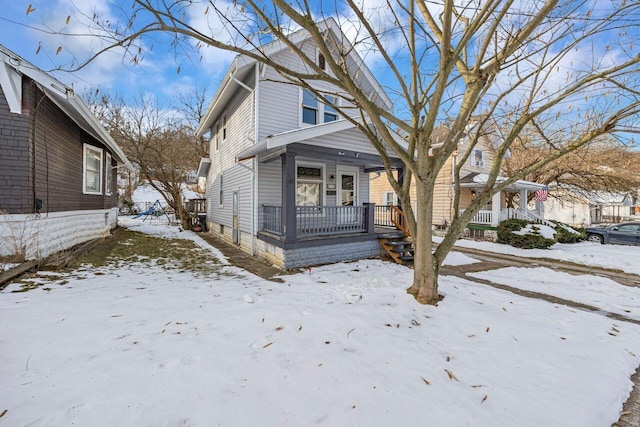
[57,165]
[287,176]
[474,174]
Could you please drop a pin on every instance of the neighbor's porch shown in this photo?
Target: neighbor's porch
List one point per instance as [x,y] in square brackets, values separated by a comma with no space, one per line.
[496,210]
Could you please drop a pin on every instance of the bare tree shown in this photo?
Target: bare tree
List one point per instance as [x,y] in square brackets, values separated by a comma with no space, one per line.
[602,165]
[160,142]
[561,66]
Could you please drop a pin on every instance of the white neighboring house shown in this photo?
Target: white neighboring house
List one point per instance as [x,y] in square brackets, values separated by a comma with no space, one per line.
[287,177]
[57,165]
[581,208]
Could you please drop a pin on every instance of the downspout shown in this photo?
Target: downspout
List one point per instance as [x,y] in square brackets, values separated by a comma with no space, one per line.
[254,182]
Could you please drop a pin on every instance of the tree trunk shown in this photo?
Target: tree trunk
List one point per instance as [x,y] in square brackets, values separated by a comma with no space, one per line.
[425,276]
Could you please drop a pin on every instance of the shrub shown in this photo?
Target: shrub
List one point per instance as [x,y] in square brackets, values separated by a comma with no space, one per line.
[530,239]
[566,234]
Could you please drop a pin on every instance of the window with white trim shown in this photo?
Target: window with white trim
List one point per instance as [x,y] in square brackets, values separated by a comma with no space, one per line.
[221,191]
[92,170]
[330,113]
[224,127]
[390,198]
[477,159]
[216,137]
[309,108]
[309,184]
[109,171]
[322,63]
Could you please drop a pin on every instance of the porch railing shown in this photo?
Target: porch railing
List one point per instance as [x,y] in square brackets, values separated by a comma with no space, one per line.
[382,216]
[319,220]
[326,220]
[526,215]
[272,219]
[482,217]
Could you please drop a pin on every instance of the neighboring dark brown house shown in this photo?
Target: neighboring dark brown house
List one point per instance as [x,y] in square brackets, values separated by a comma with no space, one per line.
[57,164]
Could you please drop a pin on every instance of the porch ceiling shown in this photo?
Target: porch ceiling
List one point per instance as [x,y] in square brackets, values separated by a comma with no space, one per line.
[475,180]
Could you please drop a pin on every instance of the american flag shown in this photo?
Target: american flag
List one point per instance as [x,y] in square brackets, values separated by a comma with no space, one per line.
[542,194]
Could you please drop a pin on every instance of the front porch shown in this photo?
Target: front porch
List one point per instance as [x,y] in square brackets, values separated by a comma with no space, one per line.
[497,209]
[313,195]
[487,217]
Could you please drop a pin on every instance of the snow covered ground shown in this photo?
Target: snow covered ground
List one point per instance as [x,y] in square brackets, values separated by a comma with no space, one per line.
[340,345]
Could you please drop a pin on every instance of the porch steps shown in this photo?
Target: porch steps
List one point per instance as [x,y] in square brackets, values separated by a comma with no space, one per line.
[398,246]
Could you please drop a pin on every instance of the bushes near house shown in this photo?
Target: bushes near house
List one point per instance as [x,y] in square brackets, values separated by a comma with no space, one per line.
[522,234]
[566,234]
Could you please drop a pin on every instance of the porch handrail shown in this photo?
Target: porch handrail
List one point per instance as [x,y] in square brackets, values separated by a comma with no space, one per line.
[398,219]
[529,216]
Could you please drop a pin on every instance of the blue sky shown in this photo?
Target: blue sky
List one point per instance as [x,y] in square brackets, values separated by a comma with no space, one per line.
[157,75]
[158,72]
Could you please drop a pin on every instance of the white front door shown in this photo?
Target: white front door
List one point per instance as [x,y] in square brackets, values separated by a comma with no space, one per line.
[347,192]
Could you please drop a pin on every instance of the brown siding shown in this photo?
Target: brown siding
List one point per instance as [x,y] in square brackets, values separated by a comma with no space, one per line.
[58,159]
[15,179]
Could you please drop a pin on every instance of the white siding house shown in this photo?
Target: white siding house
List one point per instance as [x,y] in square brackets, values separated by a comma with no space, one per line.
[287,177]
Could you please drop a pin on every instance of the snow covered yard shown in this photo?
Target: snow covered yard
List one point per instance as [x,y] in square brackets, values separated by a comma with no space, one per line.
[150,343]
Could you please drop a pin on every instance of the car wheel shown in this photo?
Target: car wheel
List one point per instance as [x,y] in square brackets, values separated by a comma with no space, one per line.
[595,238]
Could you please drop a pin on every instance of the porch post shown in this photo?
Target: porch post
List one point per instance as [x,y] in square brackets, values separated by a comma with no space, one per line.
[288,216]
[369,218]
[400,181]
[523,200]
[496,207]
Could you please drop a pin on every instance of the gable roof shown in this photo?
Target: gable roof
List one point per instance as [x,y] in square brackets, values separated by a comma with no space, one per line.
[242,64]
[13,67]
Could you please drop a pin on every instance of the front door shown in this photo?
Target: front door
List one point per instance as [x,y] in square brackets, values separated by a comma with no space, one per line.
[347,193]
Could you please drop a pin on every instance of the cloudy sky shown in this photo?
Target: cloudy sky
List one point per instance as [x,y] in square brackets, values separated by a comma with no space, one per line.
[163,73]
[32,29]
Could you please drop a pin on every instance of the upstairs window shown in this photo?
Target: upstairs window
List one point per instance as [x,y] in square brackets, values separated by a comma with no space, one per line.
[309,108]
[330,114]
[477,159]
[92,173]
[224,127]
[216,137]
[321,61]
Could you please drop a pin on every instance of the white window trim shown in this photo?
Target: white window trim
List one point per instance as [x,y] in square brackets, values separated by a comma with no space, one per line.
[335,111]
[394,198]
[318,54]
[221,191]
[301,109]
[319,109]
[108,189]
[224,127]
[216,137]
[84,169]
[474,161]
[322,166]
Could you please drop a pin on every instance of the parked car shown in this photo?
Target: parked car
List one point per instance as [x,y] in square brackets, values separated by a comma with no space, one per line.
[627,233]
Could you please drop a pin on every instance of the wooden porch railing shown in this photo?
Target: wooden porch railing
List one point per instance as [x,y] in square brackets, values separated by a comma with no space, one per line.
[398,219]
